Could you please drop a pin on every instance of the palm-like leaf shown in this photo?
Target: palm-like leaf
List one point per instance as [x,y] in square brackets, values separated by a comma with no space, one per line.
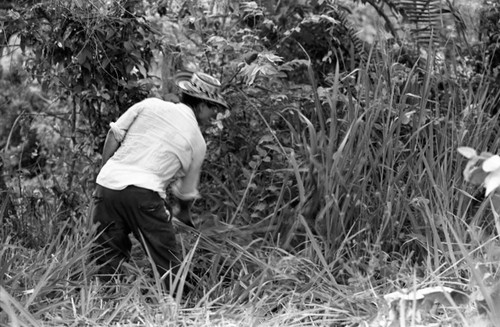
[427,21]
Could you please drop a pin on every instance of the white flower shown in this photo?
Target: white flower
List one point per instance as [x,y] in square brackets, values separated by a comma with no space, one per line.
[492,166]
[481,168]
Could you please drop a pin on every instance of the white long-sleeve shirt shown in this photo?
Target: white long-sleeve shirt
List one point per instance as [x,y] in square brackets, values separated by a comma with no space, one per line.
[160,141]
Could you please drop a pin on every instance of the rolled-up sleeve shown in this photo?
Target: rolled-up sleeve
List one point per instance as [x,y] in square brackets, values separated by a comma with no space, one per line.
[121,126]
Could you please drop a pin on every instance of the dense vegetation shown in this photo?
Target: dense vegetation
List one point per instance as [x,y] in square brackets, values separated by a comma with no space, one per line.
[335,180]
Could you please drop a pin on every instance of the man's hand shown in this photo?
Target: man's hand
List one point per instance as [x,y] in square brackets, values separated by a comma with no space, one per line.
[186,218]
[184,213]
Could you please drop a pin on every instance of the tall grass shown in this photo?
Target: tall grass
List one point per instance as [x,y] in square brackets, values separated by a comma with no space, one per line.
[382,171]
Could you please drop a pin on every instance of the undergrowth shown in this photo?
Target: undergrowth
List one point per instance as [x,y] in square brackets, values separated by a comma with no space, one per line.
[352,193]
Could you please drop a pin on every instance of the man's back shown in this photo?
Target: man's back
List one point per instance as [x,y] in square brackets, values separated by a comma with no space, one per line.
[159,140]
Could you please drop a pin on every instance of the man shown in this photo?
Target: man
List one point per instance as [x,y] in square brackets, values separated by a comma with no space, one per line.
[154,145]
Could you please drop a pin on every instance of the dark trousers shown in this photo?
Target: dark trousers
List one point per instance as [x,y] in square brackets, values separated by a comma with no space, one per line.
[141,212]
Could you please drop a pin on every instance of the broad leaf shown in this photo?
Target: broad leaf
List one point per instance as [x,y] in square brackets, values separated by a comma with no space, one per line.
[467,152]
[491,164]
[492,182]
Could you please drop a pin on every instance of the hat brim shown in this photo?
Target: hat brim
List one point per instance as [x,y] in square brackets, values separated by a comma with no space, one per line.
[183,81]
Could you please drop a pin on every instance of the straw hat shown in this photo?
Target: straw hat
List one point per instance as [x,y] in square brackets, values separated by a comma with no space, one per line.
[200,85]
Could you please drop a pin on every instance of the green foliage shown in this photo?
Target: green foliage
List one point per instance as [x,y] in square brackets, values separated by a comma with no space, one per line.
[489,33]
[320,32]
[98,56]
[94,60]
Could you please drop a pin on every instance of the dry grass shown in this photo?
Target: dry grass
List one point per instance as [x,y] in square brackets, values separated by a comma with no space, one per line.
[264,286]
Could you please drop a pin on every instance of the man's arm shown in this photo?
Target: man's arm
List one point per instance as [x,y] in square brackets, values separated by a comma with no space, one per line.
[186,188]
[111,144]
